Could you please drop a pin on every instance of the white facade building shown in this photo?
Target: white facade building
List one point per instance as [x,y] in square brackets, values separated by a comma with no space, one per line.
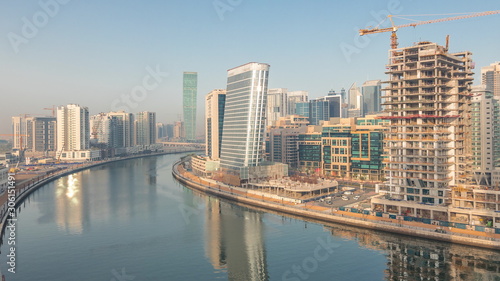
[73,128]
[483,127]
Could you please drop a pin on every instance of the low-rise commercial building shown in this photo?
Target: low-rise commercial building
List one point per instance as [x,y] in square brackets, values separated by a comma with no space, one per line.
[344,147]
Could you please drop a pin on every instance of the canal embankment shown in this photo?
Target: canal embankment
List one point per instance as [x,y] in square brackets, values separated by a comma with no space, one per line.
[22,191]
[331,215]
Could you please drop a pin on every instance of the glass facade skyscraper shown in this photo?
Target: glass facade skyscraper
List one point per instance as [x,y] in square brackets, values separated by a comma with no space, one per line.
[319,110]
[372,96]
[189,93]
[244,116]
[302,108]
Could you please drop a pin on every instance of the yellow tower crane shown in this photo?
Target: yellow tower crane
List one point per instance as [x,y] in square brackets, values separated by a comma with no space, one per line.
[394,28]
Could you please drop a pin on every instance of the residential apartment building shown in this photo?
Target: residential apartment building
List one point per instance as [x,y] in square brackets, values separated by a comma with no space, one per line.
[73,128]
[73,134]
[124,129]
[283,145]
[145,128]
[41,133]
[277,104]
[490,77]
[428,141]
[484,128]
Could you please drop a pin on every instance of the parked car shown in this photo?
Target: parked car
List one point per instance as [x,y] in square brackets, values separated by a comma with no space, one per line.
[345,198]
[356,197]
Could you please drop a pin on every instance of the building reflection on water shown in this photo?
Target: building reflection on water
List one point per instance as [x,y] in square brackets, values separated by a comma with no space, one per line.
[418,259]
[234,241]
[69,204]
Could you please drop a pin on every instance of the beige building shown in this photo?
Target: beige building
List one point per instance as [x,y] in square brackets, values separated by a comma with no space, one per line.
[490,77]
[214,115]
[428,145]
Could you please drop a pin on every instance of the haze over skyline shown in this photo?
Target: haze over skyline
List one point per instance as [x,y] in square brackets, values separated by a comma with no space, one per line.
[94,53]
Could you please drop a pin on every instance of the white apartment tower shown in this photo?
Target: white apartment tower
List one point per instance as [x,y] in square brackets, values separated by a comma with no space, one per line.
[484,118]
[19,132]
[73,128]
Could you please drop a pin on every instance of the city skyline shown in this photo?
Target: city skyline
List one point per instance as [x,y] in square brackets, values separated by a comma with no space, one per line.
[64,60]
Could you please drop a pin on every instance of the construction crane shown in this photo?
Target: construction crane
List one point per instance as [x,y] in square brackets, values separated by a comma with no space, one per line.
[53,109]
[394,28]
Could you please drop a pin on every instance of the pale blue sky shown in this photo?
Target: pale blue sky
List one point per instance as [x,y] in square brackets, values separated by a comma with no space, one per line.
[93,52]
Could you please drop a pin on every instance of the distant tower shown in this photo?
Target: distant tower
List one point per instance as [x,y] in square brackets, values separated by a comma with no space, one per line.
[244,116]
[277,103]
[214,117]
[295,97]
[485,108]
[372,96]
[145,128]
[73,128]
[189,93]
[490,77]
[355,102]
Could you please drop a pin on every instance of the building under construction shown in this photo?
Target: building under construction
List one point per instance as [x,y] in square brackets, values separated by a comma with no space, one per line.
[427,99]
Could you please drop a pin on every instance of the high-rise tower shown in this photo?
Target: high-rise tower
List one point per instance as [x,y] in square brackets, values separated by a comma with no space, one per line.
[244,116]
[490,77]
[371,97]
[73,128]
[428,141]
[189,93]
[214,116]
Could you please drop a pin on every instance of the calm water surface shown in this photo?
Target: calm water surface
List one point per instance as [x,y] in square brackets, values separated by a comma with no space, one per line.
[131,220]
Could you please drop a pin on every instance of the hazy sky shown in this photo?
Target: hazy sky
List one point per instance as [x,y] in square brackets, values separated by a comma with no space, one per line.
[131,54]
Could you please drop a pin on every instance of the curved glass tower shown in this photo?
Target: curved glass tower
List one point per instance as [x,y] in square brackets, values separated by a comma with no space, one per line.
[244,116]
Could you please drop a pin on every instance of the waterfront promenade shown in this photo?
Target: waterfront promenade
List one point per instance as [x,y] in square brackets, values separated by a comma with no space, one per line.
[324,214]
